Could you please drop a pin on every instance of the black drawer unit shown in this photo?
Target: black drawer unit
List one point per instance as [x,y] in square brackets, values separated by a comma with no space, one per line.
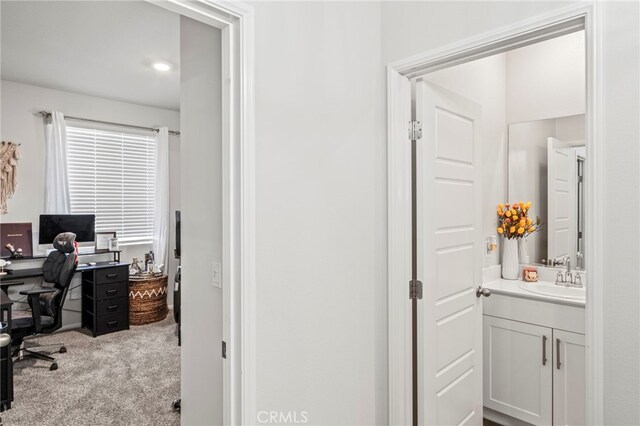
[105,299]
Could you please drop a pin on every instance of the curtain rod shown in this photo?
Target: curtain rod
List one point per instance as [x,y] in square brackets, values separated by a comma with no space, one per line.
[46,114]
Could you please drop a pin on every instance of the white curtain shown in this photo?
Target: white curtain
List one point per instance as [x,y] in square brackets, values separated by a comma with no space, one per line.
[161,212]
[56,183]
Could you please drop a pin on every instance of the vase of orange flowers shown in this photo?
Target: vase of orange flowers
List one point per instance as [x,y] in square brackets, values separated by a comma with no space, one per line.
[514,224]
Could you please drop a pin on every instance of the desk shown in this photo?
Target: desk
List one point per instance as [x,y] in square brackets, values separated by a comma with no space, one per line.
[17,276]
[100,283]
[6,373]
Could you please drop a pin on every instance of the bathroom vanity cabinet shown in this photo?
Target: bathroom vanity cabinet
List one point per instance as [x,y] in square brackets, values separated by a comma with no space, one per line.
[534,361]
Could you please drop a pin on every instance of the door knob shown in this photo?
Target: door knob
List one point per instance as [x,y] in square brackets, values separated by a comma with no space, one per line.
[483,292]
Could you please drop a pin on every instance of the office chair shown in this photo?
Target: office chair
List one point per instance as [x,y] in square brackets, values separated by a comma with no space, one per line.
[46,302]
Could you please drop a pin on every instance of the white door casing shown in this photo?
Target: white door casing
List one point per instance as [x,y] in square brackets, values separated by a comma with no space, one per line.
[518,369]
[569,381]
[449,258]
[236,22]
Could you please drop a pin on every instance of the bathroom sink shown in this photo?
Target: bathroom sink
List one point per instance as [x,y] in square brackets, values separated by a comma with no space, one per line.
[550,289]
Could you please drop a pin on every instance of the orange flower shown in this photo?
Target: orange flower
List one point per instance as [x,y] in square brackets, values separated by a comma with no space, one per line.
[512,229]
[523,222]
[520,231]
[530,230]
[500,230]
[508,213]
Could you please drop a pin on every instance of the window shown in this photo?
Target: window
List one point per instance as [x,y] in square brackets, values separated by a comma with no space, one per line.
[111,174]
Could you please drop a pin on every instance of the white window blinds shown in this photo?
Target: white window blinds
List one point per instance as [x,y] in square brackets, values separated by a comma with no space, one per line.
[111,174]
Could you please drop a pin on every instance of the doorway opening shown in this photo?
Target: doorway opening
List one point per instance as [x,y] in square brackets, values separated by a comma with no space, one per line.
[491,111]
[118,75]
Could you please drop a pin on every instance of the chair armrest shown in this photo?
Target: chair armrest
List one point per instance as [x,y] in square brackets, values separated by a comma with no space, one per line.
[37,291]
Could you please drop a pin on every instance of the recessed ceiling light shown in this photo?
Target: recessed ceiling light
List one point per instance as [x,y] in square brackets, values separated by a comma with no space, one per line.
[161,66]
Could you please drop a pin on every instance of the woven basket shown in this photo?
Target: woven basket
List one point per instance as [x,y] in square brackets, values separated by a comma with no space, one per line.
[147,300]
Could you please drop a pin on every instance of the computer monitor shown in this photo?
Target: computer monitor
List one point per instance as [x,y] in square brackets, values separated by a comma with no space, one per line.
[83,225]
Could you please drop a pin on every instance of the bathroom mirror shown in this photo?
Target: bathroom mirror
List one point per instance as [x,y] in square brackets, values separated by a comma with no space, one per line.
[547,167]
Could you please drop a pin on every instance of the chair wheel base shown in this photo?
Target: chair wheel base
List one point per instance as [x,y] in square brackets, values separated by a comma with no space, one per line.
[63,350]
[54,366]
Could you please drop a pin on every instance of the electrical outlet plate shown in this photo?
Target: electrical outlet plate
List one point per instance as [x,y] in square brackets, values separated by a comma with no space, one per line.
[217,275]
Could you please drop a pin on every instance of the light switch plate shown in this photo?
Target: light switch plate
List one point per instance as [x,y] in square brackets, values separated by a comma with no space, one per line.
[217,275]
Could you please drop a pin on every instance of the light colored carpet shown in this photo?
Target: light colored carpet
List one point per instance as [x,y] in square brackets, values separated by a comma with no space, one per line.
[125,378]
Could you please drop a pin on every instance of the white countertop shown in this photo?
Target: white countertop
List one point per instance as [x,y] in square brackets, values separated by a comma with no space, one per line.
[512,288]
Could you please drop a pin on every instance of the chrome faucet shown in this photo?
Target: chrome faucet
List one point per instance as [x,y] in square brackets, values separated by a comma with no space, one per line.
[568,277]
[578,281]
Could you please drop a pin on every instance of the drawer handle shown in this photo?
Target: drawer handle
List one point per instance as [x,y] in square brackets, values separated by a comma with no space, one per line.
[112,308]
[110,292]
[111,276]
[544,350]
[112,323]
[558,363]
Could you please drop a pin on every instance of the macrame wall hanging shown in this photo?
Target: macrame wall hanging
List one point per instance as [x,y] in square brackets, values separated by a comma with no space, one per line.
[9,156]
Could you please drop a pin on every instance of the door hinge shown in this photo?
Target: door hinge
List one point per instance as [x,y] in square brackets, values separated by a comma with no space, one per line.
[415,289]
[224,349]
[415,130]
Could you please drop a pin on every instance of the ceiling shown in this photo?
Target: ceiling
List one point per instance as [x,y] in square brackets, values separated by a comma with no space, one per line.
[97,48]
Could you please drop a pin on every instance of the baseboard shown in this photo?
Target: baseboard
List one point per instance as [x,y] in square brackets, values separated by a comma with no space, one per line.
[69,327]
[502,419]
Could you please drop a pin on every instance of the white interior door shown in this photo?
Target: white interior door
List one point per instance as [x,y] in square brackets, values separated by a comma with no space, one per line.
[561,171]
[449,258]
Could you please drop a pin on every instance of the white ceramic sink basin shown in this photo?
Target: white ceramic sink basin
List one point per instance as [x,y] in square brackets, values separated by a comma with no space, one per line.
[550,289]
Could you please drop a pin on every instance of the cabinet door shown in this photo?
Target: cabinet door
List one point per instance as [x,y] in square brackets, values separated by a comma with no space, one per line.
[518,369]
[569,371]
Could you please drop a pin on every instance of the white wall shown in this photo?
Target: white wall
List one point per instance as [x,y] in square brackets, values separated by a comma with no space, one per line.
[621,127]
[484,82]
[201,308]
[546,80]
[411,28]
[18,124]
[321,221]
[571,129]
